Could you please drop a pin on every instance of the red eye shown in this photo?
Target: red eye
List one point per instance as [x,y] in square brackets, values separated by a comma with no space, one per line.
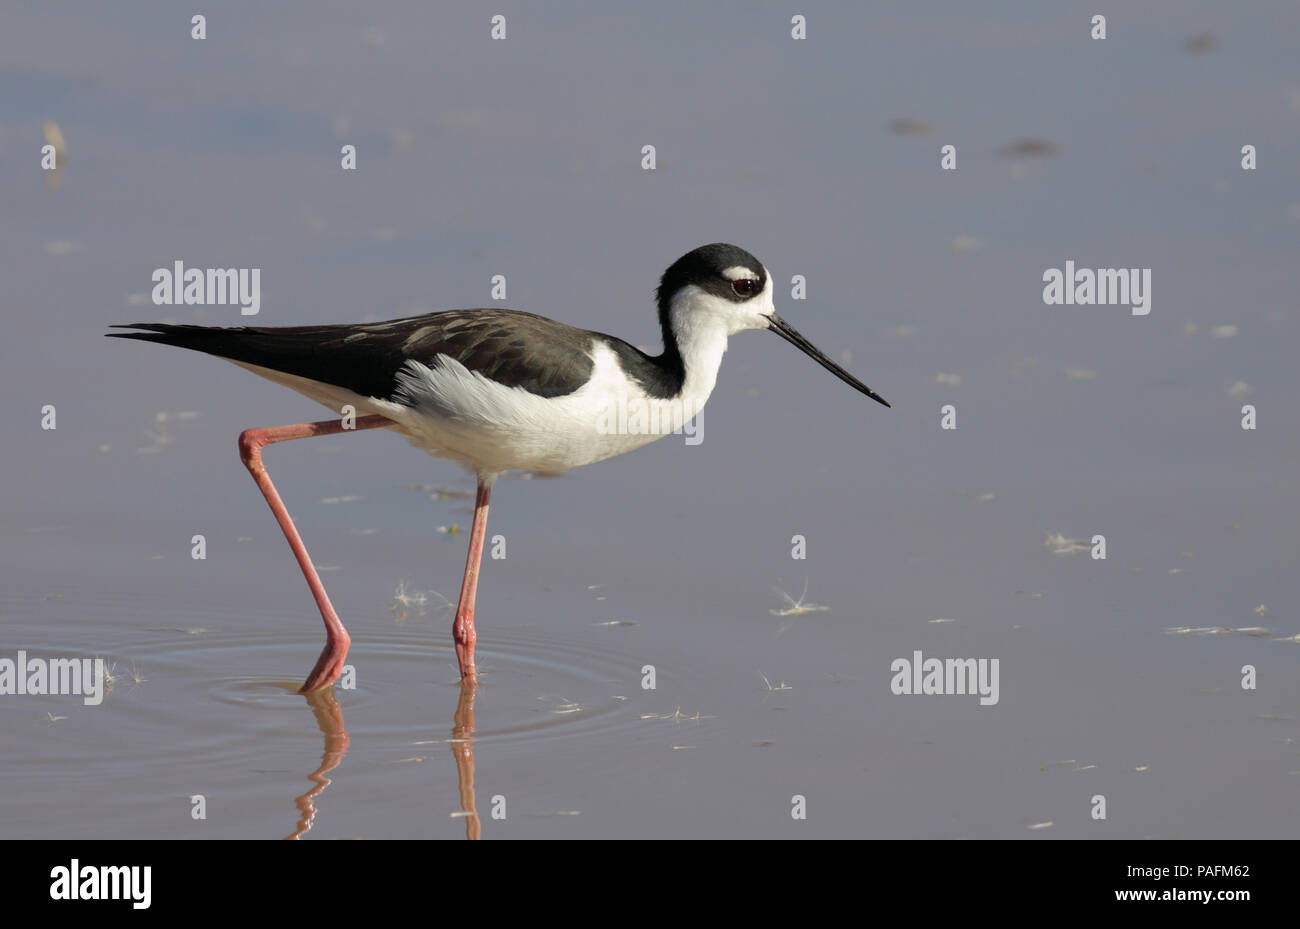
[745,287]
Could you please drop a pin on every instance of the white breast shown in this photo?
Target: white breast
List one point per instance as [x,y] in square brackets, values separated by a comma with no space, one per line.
[456,413]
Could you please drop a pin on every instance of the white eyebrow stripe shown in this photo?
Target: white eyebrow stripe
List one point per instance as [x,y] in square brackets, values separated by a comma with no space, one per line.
[739,273]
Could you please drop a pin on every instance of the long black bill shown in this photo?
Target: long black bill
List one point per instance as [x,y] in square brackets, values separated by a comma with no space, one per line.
[791,335]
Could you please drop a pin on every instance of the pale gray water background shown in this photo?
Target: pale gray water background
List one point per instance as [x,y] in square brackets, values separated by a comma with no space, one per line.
[522,158]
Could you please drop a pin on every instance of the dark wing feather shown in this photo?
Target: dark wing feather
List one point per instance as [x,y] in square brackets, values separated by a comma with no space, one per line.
[511,347]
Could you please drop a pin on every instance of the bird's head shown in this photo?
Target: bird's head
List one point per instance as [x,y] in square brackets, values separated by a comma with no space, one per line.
[723,287]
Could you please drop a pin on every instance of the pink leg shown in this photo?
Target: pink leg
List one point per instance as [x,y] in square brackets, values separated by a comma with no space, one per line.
[463,630]
[330,664]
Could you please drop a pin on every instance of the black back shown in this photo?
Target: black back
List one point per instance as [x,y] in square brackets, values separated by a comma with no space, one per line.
[513,348]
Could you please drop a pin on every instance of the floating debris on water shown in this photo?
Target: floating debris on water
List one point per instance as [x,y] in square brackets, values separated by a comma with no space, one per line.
[1253,631]
[772,688]
[408,600]
[677,716]
[438,492]
[797,607]
[1058,544]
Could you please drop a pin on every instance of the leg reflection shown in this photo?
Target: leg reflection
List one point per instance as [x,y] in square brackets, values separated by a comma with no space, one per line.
[462,749]
[329,717]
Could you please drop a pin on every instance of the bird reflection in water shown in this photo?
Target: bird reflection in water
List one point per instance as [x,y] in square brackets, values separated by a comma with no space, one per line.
[329,718]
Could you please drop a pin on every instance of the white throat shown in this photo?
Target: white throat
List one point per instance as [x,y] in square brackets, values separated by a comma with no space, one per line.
[701,334]
[701,323]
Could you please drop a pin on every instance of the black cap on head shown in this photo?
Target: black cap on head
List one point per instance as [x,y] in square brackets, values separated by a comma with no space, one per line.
[703,267]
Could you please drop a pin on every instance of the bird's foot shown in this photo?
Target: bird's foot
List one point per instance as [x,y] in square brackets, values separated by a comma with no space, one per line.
[328,666]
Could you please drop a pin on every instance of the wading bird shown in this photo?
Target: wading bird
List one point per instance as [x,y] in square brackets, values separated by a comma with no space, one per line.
[498,390]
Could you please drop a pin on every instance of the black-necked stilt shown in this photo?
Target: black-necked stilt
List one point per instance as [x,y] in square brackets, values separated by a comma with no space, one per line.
[499,390]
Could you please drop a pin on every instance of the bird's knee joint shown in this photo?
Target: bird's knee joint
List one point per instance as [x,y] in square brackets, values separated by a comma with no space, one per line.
[250,447]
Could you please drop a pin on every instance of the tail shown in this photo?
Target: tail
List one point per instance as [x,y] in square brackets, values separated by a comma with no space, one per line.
[324,354]
[234,343]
